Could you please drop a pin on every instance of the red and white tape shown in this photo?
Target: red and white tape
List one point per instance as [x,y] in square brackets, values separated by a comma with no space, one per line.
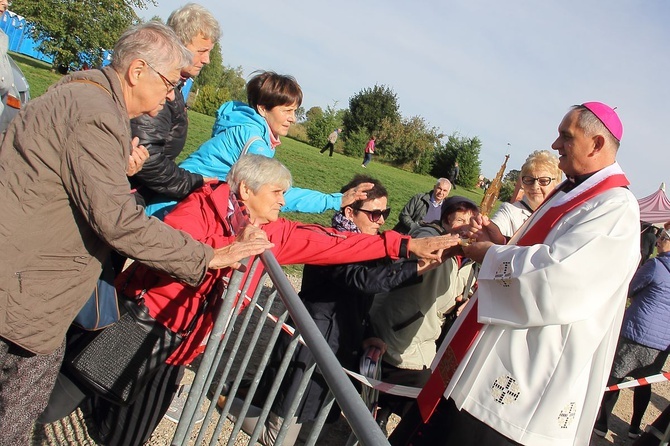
[661,377]
[412,392]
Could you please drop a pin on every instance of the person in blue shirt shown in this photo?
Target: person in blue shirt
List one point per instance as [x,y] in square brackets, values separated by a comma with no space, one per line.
[255,128]
[644,341]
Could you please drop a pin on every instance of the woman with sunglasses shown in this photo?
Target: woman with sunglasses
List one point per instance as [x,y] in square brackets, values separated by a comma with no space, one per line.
[539,176]
[338,298]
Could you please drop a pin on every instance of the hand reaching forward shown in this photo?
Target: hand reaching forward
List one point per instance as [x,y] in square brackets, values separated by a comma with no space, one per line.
[356,193]
[432,247]
[251,241]
[138,155]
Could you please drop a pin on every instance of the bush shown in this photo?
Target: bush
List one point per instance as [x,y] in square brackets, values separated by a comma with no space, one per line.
[209,99]
[298,132]
[354,144]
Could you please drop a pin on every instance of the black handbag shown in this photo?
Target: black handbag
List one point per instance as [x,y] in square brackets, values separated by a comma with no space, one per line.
[117,362]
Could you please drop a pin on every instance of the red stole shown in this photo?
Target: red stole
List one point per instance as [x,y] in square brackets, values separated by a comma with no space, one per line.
[466,331]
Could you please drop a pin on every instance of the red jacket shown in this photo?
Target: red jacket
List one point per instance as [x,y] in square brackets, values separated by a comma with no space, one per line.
[204,215]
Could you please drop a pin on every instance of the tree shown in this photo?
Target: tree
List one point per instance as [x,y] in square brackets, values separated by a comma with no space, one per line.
[217,84]
[300,114]
[466,152]
[409,143]
[77,31]
[509,185]
[368,108]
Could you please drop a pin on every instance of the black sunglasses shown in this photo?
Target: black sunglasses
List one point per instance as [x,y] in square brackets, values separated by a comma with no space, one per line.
[542,181]
[375,215]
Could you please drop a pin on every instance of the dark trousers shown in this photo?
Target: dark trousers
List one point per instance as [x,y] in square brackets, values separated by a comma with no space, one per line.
[26,381]
[134,424]
[641,398]
[393,375]
[448,426]
[330,146]
[367,158]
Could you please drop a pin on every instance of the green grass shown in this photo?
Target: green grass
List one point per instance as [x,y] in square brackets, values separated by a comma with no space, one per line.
[38,73]
[310,169]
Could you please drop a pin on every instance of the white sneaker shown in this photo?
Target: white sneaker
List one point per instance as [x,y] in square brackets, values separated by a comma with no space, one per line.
[363,166]
[177,406]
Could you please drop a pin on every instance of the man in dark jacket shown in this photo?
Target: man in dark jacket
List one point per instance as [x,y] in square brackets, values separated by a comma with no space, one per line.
[164,135]
[423,207]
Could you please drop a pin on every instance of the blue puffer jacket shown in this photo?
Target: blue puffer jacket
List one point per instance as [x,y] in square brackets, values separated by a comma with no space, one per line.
[237,125]
[647,320]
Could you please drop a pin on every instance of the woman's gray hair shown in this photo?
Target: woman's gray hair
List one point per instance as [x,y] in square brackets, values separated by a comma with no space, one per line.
[592,125]
[153,42]
[256,171]
[542,160]
[191,20]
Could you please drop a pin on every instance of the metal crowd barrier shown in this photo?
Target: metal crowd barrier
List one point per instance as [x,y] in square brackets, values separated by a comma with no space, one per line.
[226,360]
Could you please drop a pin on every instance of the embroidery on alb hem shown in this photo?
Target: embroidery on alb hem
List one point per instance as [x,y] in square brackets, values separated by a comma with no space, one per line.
[505,390]
[567,415]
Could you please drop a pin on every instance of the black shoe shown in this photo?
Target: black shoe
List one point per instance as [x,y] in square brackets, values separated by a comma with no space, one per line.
[600,429]
[634,432]
[382,425]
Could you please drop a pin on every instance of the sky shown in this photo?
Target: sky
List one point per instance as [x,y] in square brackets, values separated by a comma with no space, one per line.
[506,72]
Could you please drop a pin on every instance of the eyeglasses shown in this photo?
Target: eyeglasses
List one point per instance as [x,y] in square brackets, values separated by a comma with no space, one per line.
[375,215]
[663,238]
[168,84]
[542,181]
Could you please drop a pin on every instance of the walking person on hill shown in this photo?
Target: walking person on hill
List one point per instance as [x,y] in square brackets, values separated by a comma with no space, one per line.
[453,174]
[369,150]
[332,139]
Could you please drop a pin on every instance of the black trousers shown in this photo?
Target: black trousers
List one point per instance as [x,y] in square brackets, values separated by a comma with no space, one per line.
[134,424]
[448,426]
[330,146]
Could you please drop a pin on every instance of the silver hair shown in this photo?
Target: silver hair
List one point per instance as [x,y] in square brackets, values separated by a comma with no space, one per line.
[443,180]
[542,159]
[256,171]
[153,42]
[592,125]
[191,20]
